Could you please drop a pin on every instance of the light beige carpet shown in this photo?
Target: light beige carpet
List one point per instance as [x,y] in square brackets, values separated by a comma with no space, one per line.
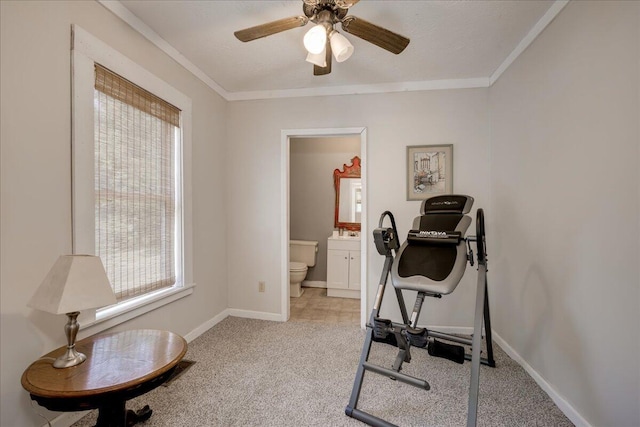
[261,373]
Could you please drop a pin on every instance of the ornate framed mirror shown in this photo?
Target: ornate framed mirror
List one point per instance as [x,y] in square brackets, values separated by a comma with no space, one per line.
[348,188]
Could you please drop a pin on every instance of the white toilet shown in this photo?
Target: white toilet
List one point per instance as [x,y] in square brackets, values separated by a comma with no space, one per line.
[302,255]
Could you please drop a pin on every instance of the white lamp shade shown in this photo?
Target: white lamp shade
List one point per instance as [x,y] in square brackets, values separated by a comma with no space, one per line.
[74,283]
[319,59]
[341,47]
[316,39]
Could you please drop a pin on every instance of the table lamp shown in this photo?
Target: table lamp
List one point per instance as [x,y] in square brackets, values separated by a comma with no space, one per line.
[74,283]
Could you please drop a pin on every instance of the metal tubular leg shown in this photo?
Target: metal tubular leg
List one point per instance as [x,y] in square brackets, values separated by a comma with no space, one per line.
[366,348]
[417,307]
[476,343]
[449,337]
[403,307]
[357,383]
[369,419]
[416,382]
[487,326]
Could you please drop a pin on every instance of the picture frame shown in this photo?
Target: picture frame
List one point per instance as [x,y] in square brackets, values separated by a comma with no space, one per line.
[429,171]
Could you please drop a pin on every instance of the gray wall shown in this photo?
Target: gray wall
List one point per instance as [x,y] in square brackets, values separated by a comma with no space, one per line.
[564,234]
[312,196]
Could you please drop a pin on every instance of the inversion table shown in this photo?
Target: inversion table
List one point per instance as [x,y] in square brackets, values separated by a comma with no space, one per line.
[432,262]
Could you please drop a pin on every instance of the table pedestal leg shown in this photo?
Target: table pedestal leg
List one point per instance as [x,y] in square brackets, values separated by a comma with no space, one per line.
[138,416]
[112,415]
[115,415]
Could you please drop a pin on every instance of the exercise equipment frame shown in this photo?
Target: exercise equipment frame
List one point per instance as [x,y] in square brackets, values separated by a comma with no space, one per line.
[404,334]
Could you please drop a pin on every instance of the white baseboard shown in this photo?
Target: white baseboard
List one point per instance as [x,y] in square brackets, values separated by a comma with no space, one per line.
[206,326]
[314,283]
[570,412]
[249,314]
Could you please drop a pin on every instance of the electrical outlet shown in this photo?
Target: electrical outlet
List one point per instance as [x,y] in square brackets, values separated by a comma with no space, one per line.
[261,286]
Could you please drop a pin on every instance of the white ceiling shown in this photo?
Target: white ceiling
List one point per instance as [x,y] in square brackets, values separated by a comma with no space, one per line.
[453,41]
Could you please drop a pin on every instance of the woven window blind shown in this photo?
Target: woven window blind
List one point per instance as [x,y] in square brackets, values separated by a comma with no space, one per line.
[136,134]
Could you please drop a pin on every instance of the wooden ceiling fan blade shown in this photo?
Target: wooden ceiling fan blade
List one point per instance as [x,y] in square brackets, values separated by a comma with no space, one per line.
[346,4]
[321,71]
[372,33]
[270,28]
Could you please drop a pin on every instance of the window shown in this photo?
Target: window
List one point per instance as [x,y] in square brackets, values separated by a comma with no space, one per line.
[130,156]
[136,139]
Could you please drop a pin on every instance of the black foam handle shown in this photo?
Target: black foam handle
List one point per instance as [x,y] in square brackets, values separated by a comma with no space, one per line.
[452,352]
[429,237]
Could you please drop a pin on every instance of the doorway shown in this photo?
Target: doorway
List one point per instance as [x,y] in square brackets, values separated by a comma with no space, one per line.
[331,135]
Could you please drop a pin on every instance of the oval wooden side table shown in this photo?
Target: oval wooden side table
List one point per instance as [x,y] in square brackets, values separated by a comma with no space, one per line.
[119,367]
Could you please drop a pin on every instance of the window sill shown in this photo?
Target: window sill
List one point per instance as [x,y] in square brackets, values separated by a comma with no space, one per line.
[113,316]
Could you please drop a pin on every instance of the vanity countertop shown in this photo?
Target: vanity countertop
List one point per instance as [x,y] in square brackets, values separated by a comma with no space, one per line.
[345,236]
[350,243]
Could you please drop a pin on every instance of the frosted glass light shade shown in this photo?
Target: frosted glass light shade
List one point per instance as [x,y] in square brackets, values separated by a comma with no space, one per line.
[74,283]
[316,39]
[341,47]
[319,59]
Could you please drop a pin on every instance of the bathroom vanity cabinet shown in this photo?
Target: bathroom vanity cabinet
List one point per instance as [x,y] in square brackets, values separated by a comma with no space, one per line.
[343,267]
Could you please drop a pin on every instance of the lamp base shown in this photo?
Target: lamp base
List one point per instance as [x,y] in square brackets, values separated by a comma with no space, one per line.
[69,359]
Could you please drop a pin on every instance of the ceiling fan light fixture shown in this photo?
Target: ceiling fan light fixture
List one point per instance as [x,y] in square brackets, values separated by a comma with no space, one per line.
[316,39]
[319,59]
[322,40]
[340,46]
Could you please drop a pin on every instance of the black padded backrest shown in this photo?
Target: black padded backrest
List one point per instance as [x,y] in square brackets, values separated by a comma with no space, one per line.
[434,261]
[432,257]
[448,203]
[440,222]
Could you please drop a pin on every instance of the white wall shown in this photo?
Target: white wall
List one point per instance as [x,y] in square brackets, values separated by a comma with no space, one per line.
[393,121]
[36,181]
[565,209]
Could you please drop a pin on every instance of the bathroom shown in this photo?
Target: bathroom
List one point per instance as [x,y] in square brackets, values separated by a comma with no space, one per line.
[312,204]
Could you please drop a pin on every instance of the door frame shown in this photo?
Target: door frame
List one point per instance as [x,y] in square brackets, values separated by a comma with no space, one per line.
[286,135]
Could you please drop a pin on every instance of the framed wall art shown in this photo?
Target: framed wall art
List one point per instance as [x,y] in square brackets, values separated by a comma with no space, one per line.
[429,171]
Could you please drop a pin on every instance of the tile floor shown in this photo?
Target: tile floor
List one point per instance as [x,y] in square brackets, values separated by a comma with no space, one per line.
[315,306]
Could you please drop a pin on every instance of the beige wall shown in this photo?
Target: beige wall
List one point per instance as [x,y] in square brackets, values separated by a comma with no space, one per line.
[563,238]
[393,121]
[312,196]
[564,209]
[564,280]
[36,180]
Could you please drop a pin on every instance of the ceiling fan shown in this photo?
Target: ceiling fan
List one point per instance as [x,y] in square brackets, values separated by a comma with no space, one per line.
[323,39]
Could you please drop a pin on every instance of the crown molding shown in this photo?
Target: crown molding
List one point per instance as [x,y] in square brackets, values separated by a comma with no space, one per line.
[361,89]
[123,13]
[546,19]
